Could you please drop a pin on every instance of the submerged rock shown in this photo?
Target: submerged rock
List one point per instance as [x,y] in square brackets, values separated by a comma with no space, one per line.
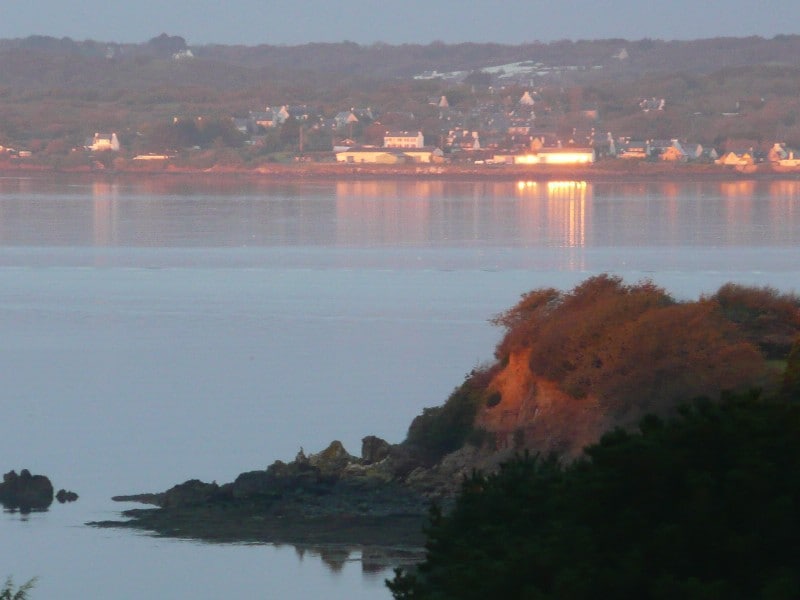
[26,492]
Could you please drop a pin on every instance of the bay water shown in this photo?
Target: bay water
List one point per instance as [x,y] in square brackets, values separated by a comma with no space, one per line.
[166,328]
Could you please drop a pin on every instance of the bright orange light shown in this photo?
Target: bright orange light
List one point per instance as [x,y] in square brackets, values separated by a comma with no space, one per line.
[568,158]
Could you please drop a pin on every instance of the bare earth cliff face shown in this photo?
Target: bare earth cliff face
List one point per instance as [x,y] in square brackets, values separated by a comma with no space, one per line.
[535,413]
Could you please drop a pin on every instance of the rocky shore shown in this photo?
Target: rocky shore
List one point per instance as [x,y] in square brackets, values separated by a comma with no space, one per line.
[606,171]
[381,498]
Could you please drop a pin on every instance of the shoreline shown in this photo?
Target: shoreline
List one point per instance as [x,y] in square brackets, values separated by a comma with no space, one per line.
[598,173]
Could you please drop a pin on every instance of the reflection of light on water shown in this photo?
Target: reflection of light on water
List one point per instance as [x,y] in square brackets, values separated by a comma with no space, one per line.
[561,210]
[556,206]
[389,190]
[737,189]
[785,189]
[560,185]
[391,220]
[670,190]
[783,204]
[567,199]
[104,212]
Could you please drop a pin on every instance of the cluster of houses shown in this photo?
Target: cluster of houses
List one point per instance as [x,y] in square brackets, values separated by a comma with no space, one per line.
[398,147]
[672,150]
[778,155]
[501,133]
[14,153]
[275,116]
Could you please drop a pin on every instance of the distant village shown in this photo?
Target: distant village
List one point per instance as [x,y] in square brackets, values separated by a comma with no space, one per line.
[490,134]
[496,134]
[617,104]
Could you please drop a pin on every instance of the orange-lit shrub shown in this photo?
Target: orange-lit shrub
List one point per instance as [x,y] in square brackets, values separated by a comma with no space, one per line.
[634,347]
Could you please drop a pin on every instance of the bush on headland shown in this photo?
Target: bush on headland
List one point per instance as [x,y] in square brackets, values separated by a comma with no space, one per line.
[635,344]
[573,364]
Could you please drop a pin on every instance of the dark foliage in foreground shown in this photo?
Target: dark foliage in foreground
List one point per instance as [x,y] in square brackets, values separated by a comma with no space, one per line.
[703,506]
[10,592]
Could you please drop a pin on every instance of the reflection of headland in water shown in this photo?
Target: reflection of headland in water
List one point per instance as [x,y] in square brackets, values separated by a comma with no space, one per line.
[373,559]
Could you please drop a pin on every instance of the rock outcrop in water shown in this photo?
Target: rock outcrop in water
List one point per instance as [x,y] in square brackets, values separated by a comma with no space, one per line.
[328,497]
[25,492]
[64,496]
[382,497]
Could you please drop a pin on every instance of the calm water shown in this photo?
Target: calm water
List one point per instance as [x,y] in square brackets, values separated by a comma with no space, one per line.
[166,329]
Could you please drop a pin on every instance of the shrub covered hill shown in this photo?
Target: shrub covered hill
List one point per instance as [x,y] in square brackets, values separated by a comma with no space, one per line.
[570,366]
[573,365]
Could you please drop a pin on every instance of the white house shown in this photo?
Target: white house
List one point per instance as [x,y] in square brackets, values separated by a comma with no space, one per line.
[389,156]
[526,99]
[102,142]
[403,139]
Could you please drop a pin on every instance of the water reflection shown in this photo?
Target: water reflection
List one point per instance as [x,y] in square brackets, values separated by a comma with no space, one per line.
[216,342]
[737,189]
[786,189]
[373,559]
[382,219]
[567,202]
[558,207]
[525,213]
[24,512]
[105,198]
[166,212]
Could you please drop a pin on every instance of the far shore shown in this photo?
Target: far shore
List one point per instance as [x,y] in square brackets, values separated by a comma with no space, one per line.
[606,171]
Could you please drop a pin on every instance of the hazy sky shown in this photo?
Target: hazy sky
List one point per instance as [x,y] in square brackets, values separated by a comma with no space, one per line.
[253,22]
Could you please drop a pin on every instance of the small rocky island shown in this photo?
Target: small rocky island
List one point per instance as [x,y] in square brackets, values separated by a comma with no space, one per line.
[26,493]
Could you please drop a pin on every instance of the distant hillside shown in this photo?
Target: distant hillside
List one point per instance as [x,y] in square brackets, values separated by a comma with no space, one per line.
[722,94]
[41,62]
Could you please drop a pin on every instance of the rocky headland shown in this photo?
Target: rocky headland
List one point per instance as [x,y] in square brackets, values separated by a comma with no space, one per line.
[571,366]
[381,497]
